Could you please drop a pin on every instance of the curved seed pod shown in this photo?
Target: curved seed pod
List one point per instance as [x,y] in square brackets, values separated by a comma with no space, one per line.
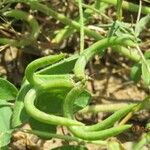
[62,67]
[44,117]
[96,48]
[98,135]
[35,29]
[51,82]
[111,119]
[39,63]
[80,131]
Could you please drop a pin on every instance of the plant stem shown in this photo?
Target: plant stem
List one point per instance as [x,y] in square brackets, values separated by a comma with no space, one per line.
[81,26]
[104,108]
[139,11]
[63,137]
[119,9]
[97,11]
[129,6]
[48,11]
[7,104]
[143,105]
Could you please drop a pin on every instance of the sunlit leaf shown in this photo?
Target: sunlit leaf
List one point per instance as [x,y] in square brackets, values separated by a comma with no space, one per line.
[19,115]
[5,117]
[82,101]
[141,25]
[147,54]
[7,90]
[50,103]
[114,145]
[5,138]
[146,72]
[136,72]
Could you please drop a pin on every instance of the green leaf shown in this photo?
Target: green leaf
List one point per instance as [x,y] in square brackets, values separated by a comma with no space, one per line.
[70,147]
[50,103]
[141,25]
[136,72]
[82,101]
[19,115]
[5,138]
[62,67]
[5,117]
[7,90]
[145,72]
[147,54]
[36,125]
[114,145]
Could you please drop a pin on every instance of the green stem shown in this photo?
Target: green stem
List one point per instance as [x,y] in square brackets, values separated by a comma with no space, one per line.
[63,137]
[103,108]
[96,11]
[129,6]
[119,9]
[81,26]
[67,30]
[48,11]
[111,119]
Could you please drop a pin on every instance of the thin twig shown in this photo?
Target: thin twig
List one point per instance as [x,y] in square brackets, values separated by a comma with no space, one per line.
[139,11]
[81,26]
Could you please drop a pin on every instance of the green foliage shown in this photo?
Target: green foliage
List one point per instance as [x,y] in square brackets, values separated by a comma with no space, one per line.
[55,88]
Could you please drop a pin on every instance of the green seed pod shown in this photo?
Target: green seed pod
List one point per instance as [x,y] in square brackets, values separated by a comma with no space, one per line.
[97,48]
[42,116]
[84,132]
